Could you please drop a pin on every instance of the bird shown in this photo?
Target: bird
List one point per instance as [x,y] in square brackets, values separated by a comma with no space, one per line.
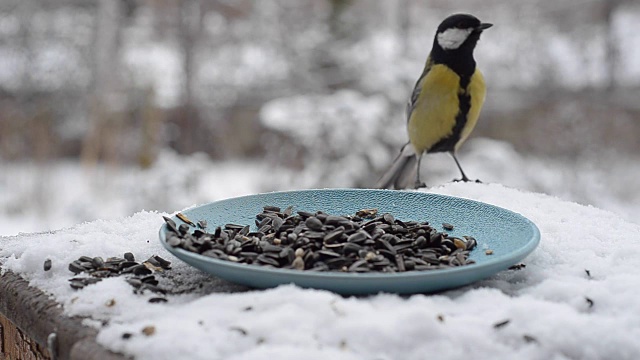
[445,103]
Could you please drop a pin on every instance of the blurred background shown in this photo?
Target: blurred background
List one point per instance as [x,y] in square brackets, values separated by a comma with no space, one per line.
[109,107]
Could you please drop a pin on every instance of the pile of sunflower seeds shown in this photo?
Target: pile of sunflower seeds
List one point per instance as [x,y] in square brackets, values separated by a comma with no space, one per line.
[140,274]
[318,241]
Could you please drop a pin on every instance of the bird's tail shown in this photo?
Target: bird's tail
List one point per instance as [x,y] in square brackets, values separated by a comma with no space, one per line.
[402,173]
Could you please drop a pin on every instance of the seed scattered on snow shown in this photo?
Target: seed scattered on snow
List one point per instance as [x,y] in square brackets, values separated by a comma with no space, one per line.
[589,302]
[501,324]
[242,331]
[157,300]
[529,338]
[517,267]
[140,275]
[149,330]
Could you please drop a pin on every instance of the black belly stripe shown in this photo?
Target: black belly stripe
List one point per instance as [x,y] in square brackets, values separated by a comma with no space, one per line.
[464,99]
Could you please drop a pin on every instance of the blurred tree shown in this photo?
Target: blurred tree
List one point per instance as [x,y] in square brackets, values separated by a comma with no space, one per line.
[220,61]
[338,7]
[107,99]
[151,118]
[190,15]
[609,10]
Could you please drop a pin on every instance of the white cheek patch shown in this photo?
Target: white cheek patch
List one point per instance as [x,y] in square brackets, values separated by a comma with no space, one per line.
[451,39]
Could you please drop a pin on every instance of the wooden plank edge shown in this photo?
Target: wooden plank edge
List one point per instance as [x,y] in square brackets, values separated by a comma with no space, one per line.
[37,316]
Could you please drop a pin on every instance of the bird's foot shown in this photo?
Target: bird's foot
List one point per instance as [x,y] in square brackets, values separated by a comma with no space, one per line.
[419,185]
[466,179]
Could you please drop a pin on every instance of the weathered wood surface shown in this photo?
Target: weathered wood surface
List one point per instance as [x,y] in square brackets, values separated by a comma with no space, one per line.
[15,344]
[28,317]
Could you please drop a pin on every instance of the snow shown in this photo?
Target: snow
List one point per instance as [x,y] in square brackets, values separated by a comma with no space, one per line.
[70,193]
[545,303]
[74,194]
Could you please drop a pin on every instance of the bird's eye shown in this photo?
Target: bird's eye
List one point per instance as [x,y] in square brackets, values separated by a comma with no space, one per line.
[460,25]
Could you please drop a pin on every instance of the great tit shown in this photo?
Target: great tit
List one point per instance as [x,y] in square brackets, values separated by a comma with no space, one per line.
[445,102]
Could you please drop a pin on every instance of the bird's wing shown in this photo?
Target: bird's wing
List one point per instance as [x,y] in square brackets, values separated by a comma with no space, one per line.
[415,94]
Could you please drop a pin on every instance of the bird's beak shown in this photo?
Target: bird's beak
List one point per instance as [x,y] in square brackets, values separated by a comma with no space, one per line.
[483,26]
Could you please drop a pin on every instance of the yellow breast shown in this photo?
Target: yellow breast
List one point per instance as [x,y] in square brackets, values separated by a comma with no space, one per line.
[434,115]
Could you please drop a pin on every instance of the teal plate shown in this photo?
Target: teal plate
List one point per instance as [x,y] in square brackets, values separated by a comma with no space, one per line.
[510,236]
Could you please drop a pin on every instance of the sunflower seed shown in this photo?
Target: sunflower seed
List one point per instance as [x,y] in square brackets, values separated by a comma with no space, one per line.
[75,267]
[318,241]
[314,223]
[298,263]
[367,213]
[171,225]
[156,300]
[501,324]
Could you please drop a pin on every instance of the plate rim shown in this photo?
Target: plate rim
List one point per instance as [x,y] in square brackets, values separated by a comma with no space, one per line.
[498,260]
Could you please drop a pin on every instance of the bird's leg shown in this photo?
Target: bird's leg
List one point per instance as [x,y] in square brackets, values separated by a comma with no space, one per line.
[464,176]
[419,184]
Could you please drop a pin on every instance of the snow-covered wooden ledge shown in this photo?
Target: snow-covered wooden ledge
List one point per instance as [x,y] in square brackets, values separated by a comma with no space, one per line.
[28,317]
[576,298]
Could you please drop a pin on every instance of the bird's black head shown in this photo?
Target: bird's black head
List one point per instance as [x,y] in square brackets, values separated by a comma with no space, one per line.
[459,32]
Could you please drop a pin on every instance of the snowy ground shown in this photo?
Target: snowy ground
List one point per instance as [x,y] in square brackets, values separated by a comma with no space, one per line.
[45,197]
[554,309]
